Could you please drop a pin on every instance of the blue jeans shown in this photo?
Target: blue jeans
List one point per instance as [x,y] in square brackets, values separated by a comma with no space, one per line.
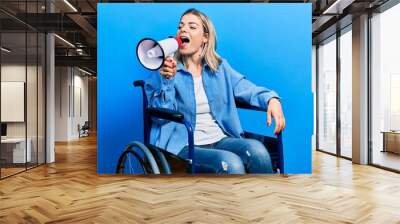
[231,156]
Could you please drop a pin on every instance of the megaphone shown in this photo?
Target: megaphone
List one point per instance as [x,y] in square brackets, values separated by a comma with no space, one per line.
[151,53]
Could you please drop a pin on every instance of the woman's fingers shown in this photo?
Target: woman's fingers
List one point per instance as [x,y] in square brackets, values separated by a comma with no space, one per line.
[284,123]
[279,124]
[269,118]
[275,111]
[169,68]
[168,63]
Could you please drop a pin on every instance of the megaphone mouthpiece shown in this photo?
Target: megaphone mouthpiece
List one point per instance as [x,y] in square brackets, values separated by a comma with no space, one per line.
[151,53]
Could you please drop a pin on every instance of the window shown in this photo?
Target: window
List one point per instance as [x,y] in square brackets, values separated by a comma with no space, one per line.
[22,67]
[385,89]
[346,92]
[327,95]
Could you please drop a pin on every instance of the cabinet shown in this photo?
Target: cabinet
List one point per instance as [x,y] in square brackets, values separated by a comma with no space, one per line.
[13,150]
[391,141]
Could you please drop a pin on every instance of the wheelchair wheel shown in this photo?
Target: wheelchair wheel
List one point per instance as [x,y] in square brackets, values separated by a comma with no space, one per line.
[160,158]
[130,162]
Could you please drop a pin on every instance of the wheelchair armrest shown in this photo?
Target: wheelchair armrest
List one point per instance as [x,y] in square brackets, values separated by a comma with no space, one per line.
[162,113]
[243,105]
[166,114]
[175,116]
[279,144]
[138,83]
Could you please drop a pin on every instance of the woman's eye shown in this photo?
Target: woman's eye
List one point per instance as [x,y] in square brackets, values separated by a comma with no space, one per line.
[192,27]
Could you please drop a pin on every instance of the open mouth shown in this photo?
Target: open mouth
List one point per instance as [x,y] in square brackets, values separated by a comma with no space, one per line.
[185,39]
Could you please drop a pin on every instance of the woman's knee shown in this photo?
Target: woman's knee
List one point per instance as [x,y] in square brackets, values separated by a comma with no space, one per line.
[255,148]
[258,158]
[231,163]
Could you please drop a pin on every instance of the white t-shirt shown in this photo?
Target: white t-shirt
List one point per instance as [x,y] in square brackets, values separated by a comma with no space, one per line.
[207,130]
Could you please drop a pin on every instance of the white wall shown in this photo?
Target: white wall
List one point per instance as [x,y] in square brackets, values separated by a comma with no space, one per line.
[314,91]
[71,102]
[50,94]
[13,72]
[80,110]
[62,81]
[16,72]
[13,101]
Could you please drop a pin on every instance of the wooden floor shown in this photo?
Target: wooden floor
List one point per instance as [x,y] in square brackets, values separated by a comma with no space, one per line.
[70,191]
[386,159]
[5,172]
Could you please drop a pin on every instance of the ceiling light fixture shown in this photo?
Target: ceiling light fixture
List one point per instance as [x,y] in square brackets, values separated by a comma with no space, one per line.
[70,5]
[84,71]
[5,50]
[337,7]
[64,40]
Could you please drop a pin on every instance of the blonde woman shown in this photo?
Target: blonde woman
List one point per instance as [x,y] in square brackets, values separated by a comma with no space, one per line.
[202,86]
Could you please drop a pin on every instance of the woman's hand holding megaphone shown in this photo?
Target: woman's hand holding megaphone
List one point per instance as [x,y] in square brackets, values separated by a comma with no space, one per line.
[168,69]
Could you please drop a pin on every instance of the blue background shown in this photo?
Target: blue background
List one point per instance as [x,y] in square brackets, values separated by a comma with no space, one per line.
[269,43]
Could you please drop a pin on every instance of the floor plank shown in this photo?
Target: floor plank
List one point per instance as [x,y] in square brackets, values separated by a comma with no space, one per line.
[70,191]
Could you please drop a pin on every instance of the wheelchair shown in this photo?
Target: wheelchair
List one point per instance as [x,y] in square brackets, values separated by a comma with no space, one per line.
[144,158]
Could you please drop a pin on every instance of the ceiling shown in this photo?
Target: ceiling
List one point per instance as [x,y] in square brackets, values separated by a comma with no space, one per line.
[76,22]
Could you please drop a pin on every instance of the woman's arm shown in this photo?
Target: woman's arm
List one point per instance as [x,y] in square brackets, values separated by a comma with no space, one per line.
[257,96]
[159,87]
[160,92]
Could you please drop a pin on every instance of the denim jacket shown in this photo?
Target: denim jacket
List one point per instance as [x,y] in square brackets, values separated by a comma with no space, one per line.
[221,87]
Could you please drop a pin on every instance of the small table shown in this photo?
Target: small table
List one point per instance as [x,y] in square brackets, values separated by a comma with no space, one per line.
[16,147]
[391,141]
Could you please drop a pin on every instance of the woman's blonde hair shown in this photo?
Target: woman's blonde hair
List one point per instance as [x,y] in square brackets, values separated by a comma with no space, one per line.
[208,54]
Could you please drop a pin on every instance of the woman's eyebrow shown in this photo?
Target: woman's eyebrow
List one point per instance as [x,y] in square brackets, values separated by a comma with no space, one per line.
[193,23]
[190,23]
